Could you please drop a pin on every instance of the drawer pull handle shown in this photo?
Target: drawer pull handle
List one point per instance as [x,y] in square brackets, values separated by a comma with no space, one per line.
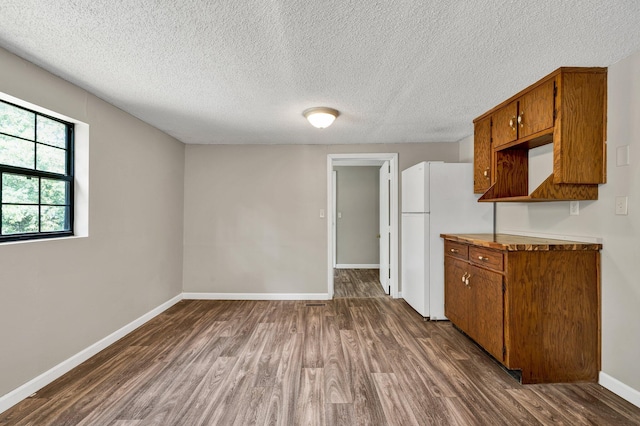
[484,259]
[454,251]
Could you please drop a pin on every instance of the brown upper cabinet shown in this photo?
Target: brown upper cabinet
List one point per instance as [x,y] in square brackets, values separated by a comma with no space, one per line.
[566,108]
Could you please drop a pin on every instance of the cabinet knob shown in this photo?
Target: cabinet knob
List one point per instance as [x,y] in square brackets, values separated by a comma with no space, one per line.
[486,173]
[512,123]
[484,259]
[520,120]
[465,279]
[454,250]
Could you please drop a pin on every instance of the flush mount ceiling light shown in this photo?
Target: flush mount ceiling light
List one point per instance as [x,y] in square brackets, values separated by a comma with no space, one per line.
[320,117]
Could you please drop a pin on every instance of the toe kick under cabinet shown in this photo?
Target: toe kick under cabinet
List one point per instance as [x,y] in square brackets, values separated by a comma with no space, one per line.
[532,303]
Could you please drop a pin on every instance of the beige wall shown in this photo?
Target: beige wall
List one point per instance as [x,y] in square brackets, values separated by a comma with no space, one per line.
[466,149]
[358,204]
[251,218]
[59,297]
[620,234]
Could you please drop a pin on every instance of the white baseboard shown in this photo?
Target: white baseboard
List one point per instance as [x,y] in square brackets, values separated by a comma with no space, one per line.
[12,398]
[623,391]
[357,266]
[256,296]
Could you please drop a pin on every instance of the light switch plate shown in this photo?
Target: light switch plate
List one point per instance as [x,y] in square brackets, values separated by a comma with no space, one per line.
[622,156]
[622,205]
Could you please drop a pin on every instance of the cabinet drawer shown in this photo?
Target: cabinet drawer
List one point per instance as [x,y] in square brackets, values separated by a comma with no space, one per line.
[490,258]
[461,251]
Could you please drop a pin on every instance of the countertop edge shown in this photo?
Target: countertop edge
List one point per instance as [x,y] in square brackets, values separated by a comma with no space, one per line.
[509,242]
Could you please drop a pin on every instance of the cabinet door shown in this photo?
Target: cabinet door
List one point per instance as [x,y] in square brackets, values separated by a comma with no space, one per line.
[536,110]
[505,124]
[482,156]
[487,307]
[456,293]
[579,148]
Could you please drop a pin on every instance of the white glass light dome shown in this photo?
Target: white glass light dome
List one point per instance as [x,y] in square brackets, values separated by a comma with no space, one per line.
[321,117]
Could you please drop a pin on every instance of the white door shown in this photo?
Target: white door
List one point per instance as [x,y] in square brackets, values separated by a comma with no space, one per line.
[384,226]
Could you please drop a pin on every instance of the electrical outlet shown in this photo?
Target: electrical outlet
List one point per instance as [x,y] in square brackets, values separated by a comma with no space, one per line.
[574,208]
[622,205]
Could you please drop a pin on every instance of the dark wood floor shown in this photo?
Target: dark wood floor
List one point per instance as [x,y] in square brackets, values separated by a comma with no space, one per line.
[357,283]
[349,361]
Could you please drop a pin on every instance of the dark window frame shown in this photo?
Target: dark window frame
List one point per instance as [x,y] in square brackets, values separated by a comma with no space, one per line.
[39,174]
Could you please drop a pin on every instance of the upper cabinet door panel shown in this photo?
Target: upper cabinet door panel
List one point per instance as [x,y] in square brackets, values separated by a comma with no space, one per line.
[505,124]
[482,156]
[536,110]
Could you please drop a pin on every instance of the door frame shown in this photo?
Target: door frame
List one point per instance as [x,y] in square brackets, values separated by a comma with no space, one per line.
[364,159]
[384,249]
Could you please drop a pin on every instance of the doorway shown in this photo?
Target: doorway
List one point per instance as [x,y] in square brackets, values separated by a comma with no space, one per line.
[389,237]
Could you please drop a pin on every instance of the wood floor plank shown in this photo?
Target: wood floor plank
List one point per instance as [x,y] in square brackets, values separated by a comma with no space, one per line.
[459,414]
[82,396]
[255,409]
[242,377]
[617,404]
[422,364]
[158,397]
[281,406]
[340,415]
[337,375]
[354,360]
[343,317]
[310,402]
[395,407]
[372,349]
[575,401]
[211,388]
[366,404]
[356,283]
[416,389]
[543,412]
[312,317]
[269,362]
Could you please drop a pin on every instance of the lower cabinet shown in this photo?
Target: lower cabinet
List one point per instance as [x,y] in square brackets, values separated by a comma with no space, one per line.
[486,292]
[458,312]
[533,304]
[474,303]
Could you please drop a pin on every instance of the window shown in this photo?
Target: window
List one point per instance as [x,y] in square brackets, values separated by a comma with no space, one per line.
[36,175]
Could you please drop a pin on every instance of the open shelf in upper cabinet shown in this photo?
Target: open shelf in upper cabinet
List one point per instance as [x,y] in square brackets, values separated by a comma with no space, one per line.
[566,108]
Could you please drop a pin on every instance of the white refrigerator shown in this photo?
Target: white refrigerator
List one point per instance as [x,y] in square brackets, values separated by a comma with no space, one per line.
[437,198]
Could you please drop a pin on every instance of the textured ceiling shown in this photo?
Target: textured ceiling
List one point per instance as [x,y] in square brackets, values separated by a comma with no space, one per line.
[226,72]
